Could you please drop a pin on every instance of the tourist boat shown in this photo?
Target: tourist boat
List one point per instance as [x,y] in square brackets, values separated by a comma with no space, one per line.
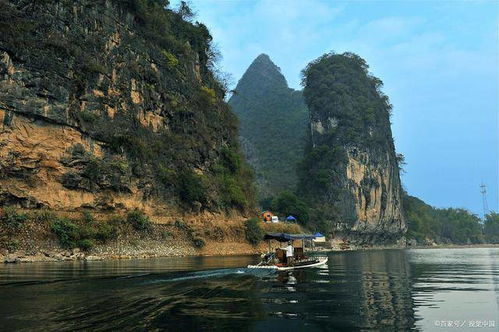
[277,260]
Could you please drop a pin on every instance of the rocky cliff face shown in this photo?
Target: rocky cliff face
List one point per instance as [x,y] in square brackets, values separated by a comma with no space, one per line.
[110,104]
[273,120]
[351,169]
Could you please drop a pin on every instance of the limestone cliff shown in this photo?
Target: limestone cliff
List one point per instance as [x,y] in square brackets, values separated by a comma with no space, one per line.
[113,104]
[350,172]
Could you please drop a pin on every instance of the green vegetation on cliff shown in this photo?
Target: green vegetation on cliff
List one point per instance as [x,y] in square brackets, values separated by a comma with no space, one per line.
[137,77]
[273,120]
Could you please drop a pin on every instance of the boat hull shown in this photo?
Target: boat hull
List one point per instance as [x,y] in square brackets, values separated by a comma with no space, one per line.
[322,261]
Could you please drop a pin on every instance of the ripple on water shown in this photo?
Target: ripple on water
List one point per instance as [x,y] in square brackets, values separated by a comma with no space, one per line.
[371,290]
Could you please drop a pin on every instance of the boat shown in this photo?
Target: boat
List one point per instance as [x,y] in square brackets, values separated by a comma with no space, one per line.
[278,261]
[317,261]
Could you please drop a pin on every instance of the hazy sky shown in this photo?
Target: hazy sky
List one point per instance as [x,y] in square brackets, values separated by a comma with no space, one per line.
[438,60]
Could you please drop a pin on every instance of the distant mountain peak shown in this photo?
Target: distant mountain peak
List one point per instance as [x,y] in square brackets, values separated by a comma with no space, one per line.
[264,72]
[265,59]
[273,123]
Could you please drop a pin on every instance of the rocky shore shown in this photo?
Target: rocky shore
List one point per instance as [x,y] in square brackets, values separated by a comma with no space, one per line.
[136,251]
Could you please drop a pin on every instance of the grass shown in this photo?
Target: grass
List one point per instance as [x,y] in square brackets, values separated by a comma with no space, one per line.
[12,218]
[282,228]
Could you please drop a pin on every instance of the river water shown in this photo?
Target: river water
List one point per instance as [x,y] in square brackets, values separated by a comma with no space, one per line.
[388,290]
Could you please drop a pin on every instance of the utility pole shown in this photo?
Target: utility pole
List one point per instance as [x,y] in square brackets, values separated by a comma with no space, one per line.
[483,190]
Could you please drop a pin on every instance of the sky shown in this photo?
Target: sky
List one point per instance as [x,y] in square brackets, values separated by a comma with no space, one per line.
[438,61]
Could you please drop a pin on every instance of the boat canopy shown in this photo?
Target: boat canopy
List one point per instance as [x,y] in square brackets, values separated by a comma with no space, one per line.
[284,237]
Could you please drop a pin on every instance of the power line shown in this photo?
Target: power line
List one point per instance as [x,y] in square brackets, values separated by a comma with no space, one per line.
[483,190]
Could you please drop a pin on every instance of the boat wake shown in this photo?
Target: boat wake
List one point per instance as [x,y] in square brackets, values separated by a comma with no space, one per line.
[218,273]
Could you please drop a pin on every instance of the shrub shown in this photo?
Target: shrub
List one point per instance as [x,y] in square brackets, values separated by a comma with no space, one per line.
[71,234]
[67,233]
[254,232]
[171,59]
[199,242]
[232,193]
[85,244]
[88,217]
[191,187]
[11,217]
[105,232]
[209,95]
[43,216]
[87,116]
[116,220]
[166,235]
[12,245]
[198,239]
[138,220]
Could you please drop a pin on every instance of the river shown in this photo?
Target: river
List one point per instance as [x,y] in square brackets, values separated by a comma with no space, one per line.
[398,290]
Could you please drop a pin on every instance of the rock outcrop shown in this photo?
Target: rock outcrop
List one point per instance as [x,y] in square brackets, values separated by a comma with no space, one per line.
[109,104]
[351,171]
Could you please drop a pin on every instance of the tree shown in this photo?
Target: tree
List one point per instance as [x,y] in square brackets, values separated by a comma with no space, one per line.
[440,225]
[254,233]
[288,203]
[185,11]
[491,227]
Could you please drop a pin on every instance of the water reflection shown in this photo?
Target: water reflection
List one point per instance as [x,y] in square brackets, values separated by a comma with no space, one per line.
[362,290]
[371,290]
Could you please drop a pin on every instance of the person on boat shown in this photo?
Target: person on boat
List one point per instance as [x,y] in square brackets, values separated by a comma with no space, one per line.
[289,253]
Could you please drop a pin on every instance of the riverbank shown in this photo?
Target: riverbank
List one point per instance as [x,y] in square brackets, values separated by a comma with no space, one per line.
[145,249]
[42,235]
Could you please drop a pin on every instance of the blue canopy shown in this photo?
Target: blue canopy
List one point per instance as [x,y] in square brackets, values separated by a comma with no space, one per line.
[318,235]
[289,218]
[284,237]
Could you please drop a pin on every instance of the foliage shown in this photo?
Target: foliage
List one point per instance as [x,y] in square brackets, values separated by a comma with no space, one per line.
[197,239]
[139,220]
[12,218]
[105,232]
[209,94]
[491,227]
[67,232]
[171,59]
[11,245]
[43,215]
[82,234]
[88,217]
[191,187]
[266,203]
[86,244]
[95,173]
[288,203]
[426,223]
[273,120]
[339,87]
[254,232]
